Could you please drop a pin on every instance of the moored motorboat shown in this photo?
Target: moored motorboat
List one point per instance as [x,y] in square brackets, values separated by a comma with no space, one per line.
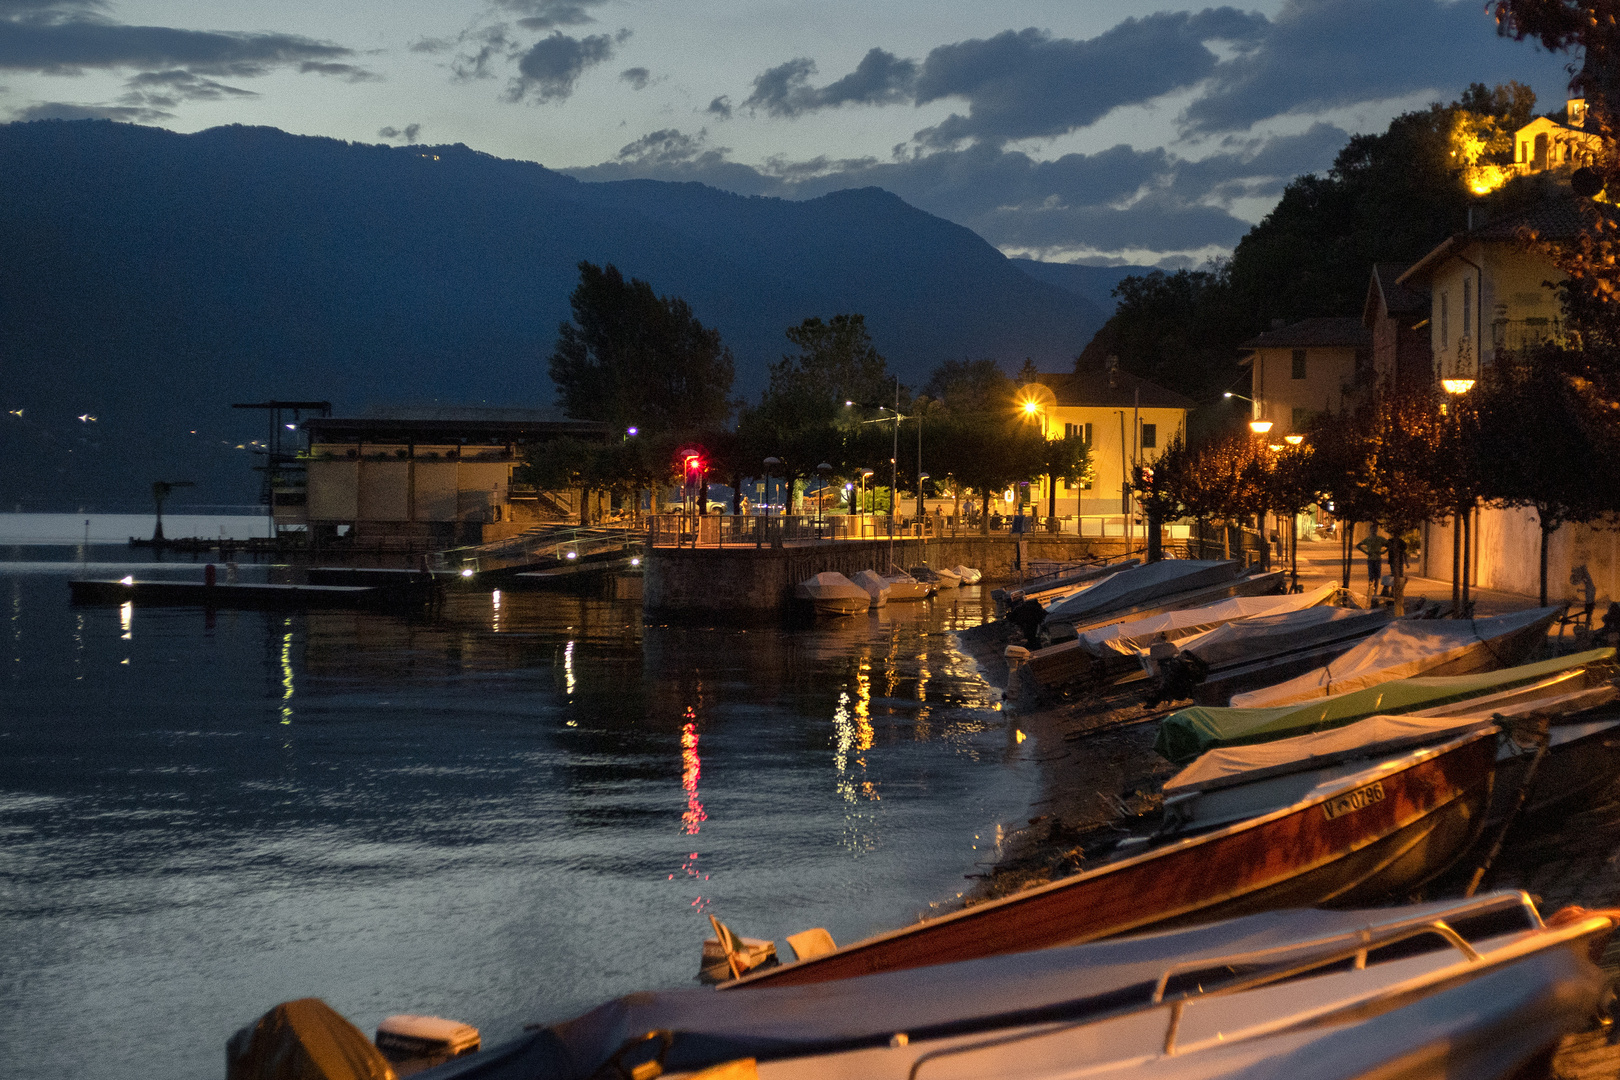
[1407,649]
[1186,734]
[1477,988]
[831,593]
[1354,837]
[902,586]
[939,579]
[968,574]
[877,588]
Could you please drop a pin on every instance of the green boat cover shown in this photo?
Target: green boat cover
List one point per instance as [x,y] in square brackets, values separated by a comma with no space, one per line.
[1186,734]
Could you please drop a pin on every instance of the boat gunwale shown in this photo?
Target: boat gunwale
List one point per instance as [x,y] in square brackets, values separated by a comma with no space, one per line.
[1362,778]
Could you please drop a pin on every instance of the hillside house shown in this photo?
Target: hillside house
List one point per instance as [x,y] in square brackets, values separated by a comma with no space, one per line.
[1397,317]
[1545,144]
[1309,367]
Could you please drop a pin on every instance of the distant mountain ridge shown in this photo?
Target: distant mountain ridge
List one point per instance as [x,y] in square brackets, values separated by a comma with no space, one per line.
[1094,283]
[153,278]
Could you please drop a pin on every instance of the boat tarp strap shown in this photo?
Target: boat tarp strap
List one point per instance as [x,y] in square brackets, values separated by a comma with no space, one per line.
[1398,651]
[303,1040]
[711,1026]
[1373,737]
[1131,638]
[1190,732]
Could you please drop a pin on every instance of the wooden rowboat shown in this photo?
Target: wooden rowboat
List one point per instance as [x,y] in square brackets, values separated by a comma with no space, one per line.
[1380,830]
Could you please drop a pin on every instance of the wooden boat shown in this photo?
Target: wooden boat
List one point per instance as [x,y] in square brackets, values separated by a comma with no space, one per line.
[1061,662]
[1382,829]
[831,593]
[902,586]
[877,588]
[1471,988]
[1406,649]
[1186,734]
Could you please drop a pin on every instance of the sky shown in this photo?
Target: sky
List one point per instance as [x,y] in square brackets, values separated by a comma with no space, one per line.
[1100,131]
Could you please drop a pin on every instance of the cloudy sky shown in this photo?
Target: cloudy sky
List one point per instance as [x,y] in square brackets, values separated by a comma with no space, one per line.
[1071,130]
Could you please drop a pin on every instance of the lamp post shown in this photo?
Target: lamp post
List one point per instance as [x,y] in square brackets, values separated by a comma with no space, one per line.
[866,486]
[1462,517]
[770,463]
[821,496]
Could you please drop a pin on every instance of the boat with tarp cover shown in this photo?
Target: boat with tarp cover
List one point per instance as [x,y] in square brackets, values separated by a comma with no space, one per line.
[1406,649]
[1193,731]
[1475,988]
[1383,828]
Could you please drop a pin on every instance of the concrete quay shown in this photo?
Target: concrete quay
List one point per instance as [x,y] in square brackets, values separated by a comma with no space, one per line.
[737,578]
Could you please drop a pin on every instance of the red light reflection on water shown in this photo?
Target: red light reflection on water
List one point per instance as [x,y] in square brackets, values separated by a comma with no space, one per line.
[694,816]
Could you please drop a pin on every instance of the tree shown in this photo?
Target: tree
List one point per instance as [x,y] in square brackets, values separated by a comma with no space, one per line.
[989,452]
[561,464]
[636,359]
[970,386]
[837,362]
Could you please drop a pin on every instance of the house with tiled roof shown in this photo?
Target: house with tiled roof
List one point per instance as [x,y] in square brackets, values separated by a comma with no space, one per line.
[1397,317]
[1125,419]
[1304,368]
[1488,292]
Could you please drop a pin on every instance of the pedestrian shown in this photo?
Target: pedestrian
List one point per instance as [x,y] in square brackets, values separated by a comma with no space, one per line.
[1373,547]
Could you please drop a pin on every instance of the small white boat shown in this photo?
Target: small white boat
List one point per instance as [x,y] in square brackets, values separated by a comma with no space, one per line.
[832,593]
[1479,988]
[939,579]
[968,575]
[875,586]
[902,586]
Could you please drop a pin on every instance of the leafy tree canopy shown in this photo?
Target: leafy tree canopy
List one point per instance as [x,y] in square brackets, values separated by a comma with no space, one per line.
[636,359]
[969,386]
[1388,197]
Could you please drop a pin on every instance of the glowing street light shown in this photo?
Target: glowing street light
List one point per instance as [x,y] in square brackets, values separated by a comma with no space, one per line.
[1457,386]
[1260,427]
[1293,440]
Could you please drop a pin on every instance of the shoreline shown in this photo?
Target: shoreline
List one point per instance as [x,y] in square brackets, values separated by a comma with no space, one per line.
[1096,768]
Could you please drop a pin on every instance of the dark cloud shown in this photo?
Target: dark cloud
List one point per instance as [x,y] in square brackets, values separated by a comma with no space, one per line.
[1027,84]
[347,72]
[637,77]
[721,107]
[1322,54]
[166,89]
[56,110]
[881,78]
[550,14]
[478,51]
[551,67]
[408,135]
[64,41]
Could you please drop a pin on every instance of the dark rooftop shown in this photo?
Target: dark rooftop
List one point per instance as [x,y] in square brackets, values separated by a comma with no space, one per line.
[1097,388]
[527,425]
[1398,299]
[1319,332]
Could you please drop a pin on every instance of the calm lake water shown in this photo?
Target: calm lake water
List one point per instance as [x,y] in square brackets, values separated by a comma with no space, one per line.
[504,815]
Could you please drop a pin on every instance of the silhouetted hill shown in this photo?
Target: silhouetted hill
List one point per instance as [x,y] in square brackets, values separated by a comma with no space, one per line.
[1094,283]
[152,278]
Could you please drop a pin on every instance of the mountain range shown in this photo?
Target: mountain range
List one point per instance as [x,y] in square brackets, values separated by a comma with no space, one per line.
[151,279]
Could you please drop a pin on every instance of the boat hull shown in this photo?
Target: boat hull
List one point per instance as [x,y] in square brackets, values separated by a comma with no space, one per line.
[1342,846]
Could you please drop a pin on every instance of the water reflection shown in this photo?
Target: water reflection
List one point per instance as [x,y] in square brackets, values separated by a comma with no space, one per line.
[491,794]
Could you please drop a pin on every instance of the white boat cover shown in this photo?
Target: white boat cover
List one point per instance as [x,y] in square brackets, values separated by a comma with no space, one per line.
[1132,638]
[1268,635]
[1399,651]
[1141,583]
[873,583]
[968,574]
[713,1026]
[1373,737]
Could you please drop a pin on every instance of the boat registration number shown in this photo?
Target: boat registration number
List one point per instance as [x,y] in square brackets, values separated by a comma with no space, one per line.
[1352,801]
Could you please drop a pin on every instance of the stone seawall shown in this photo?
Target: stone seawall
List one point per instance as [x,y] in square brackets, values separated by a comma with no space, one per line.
[762,579]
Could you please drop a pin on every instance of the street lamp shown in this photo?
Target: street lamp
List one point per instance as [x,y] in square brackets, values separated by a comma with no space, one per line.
[770,463]
[821,496]
[1462,521]
[866,477]
[1293,440]
[1260,427]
